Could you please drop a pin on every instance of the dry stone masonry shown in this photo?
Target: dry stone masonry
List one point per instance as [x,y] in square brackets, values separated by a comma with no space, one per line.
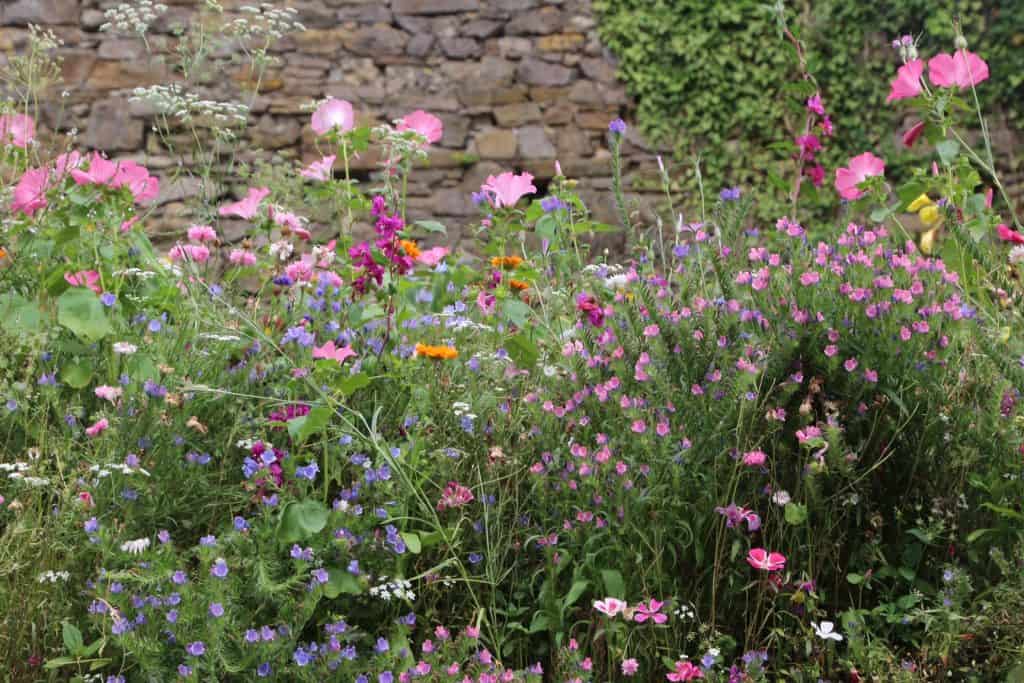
[518,84]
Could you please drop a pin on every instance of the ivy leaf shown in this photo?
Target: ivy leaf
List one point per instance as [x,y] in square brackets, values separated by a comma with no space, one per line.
[300,520]
[80,310]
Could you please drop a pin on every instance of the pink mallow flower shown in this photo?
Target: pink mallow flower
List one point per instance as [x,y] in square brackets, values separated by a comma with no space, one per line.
[960,70]
[454,495]
[333,114]
[907,82]
[30,192]
[84,278]
[202,233]
[862,167]
[508,188]
[97,428]
[246,208]
[319,170]
[101,171]
[427,125]
[144,187]
[17,129]
[431,257]
[759,558]
[331,352]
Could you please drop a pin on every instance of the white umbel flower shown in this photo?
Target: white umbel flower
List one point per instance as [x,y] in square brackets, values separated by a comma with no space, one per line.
[136,547]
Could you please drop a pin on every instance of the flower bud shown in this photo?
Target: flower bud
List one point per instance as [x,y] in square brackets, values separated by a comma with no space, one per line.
[960,43]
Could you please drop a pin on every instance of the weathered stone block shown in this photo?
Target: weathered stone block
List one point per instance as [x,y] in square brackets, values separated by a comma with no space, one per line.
[534,143]
[111,127]
[434,6]
[514,115]
[496,143]
[534,71]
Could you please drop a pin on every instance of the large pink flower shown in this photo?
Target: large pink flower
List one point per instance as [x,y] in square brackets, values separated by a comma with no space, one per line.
[319,170]
[685,671]
[330,352]
[508,188]
[30,192]
[861,167]
[84,278]
[960,70]
[759,558]
[431,257]
[144,187]
[17,130]
[246,208]
[907,82]
[333,114]
[610,606]
[427,125]
[101,171]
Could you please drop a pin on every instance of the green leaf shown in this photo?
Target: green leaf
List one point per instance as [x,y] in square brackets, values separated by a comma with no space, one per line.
[539,623]
[353,383]
[796,514]
[978,533]
[516,311]
[300,520]
[76,374]
[340,581]
[301,428]
[881,213]
[20,315]
[58,662]
[578,587]
[431,226]
[948,151]
[855,579]
[80,310]
[412,542]
[547,226]
[72,638]
[614,584]
[522,350]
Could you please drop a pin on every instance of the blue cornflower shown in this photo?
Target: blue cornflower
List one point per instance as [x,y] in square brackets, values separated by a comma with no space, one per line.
[618,126]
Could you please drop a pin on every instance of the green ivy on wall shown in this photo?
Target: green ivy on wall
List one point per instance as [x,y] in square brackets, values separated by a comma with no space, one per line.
[716,78]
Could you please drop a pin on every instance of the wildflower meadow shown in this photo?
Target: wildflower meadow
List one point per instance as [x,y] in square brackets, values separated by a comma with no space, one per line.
[734,450]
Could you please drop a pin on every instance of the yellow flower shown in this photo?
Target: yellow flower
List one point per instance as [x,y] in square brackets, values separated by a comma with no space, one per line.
[929,215]
[928,241]
[919,203]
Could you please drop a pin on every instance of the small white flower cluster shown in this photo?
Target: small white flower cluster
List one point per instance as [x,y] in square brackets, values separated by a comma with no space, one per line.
[171,100]
[14,467]
[135,547]
[17,472]
[43,38]
[53,577]
[399,589]
[246,443]
[1017,254]
[265,21]
[459,323]
[684,612]
[102,471]
[125,348]
[462,410]
[220,337]
[135,272]
[133,18]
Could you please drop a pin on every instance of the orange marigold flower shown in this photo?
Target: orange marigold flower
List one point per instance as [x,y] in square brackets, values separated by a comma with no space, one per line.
[506,262]
[437,352]
[410,248]
[518,285]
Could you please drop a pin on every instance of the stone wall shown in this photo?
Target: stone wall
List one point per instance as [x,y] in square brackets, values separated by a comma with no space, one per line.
[518,84]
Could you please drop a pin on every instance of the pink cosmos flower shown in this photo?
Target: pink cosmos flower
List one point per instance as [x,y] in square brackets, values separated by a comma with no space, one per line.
[427,125]
[189,252]
[333,114]
[754,458]
[759,558]
[651,610]
[960,70]
[330,352]
[431,257]
[861,167]
[30,192]
[84,278]
[630,667]
[241,257]
[202,233]
[610,606]
[1008,235]
[246,208]
[109,393]
[907,82]
[319,170]
[101,171]
[685,671]
[97,428]
[508,188]
[17,129]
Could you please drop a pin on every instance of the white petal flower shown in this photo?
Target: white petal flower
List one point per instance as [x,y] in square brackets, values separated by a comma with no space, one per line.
[136,547]
[826,631]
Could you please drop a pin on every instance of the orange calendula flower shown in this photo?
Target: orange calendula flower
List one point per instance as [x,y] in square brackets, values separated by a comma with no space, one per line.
[437,352]
[506,262]
[518,285]
[410,248]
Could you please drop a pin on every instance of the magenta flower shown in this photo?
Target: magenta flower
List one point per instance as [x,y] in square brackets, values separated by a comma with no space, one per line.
[960,70]
[97,428]
[912,134]
[814,104]
[508,188]
[17,129]
[30,192]
[736,515]
[427,125]
[202,233]
[907,82]
[630,667]
[585,303]
[685,671]
[333,114]
[319,170]
[754,458]
[84,278]
[651,610]
[246,208]
[759,558]
[330,352]
[861,167]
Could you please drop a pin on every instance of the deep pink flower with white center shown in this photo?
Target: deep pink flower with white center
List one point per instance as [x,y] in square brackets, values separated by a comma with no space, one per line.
[651,610]
[759,558]
[862,167]
[189,252]
[30,192]
[508,188]
[685,671]
[610,606]
[246,208]
[754,458]
[202,233]
[17,129]
[907,82]
[97,427]
[333,114]
[427,125]
[960,70]
[241,257]
[84,278]
[319,170]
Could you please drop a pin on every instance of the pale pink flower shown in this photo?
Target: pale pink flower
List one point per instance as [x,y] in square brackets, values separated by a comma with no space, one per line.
[189,252]
[30,192]
[907,82]
[67,161]
[811,277]
[202,233]
[960,70]
[610,606]
[427,125]
[100,172]
[330,352]
[17,129]
[508,188]
[486,302]
[861,167]
[333,114]
[630,667]
[287,219]
[759,558]
[109,393]
[242,257]
[431,257]
[246,208]
[127,225]
[319,170]
[98,427]
[84,278]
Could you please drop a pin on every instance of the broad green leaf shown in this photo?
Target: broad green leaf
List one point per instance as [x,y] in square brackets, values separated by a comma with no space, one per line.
[516,311]
[340,581]
[19,315]
[948,150]
[80,310]
[76,374]
[522,350]
[300,520]
[353,383]
[412,542]
[301,428]
[547,226]
[574,593]
[614,584]
[72,638]
[431,226]
[854,579]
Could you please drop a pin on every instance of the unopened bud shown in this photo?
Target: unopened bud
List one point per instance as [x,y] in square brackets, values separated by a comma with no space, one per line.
[912,53]
[960,42]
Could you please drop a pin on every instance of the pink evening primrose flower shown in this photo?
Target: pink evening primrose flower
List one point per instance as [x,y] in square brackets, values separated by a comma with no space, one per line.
[960,70]
[427,125]
[319,170]
[759,558]
[30,192]
[907,82]
[246,208]
[610,606]
[333,114]
[508,188]
[17,129]
[202,233]
[651,610]
[330,352]
[84,278]
[861,167]
[97,428]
